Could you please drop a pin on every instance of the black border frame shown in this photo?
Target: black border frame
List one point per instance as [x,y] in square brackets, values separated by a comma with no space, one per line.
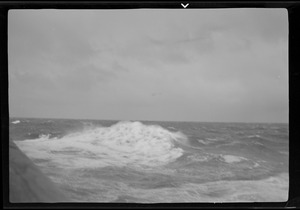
[293,9]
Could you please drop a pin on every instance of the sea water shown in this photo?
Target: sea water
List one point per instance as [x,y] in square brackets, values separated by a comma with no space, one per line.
[158,162]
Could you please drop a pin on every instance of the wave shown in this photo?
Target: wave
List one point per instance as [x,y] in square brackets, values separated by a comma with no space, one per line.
[253,136]
[16,122]
[232,158]
[125,143]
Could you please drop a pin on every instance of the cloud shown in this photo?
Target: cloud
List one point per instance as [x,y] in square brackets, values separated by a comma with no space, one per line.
[207,65]
[85,78]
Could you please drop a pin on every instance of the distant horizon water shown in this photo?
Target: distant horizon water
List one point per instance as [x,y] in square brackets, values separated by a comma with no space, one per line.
[69,118]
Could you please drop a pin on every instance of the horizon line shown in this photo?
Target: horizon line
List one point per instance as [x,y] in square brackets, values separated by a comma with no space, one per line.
[65,118]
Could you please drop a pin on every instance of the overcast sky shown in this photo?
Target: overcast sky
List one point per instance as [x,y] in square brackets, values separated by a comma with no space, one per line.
[224,65]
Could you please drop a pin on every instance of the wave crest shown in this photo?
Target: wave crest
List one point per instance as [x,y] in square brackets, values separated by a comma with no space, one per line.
[124,143]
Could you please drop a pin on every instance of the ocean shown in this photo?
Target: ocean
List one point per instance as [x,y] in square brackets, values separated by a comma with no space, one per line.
[158,162]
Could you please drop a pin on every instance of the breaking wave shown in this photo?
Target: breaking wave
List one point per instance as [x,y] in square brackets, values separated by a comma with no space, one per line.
[123,144]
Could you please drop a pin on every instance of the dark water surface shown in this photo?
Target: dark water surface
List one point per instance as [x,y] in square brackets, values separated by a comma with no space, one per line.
[149,162]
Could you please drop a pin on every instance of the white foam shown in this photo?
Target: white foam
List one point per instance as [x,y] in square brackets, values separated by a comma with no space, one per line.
[203,141]
[232,158]
[200,158]
[258,143]
[256,165]
[125,143]
[254,136]
[16,122]
[214,139]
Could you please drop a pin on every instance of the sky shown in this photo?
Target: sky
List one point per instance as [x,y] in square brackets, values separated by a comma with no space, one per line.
[207,65]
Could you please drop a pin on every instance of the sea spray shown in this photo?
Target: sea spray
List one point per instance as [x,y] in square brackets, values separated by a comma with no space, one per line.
[123,144]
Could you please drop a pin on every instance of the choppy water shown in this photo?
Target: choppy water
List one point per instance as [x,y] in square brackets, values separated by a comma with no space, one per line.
[152,162]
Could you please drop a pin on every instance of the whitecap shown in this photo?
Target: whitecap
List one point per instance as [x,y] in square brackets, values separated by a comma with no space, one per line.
[172,128]
[124,143]
[203,141]
[214,139]
[254,136]
[232,158]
